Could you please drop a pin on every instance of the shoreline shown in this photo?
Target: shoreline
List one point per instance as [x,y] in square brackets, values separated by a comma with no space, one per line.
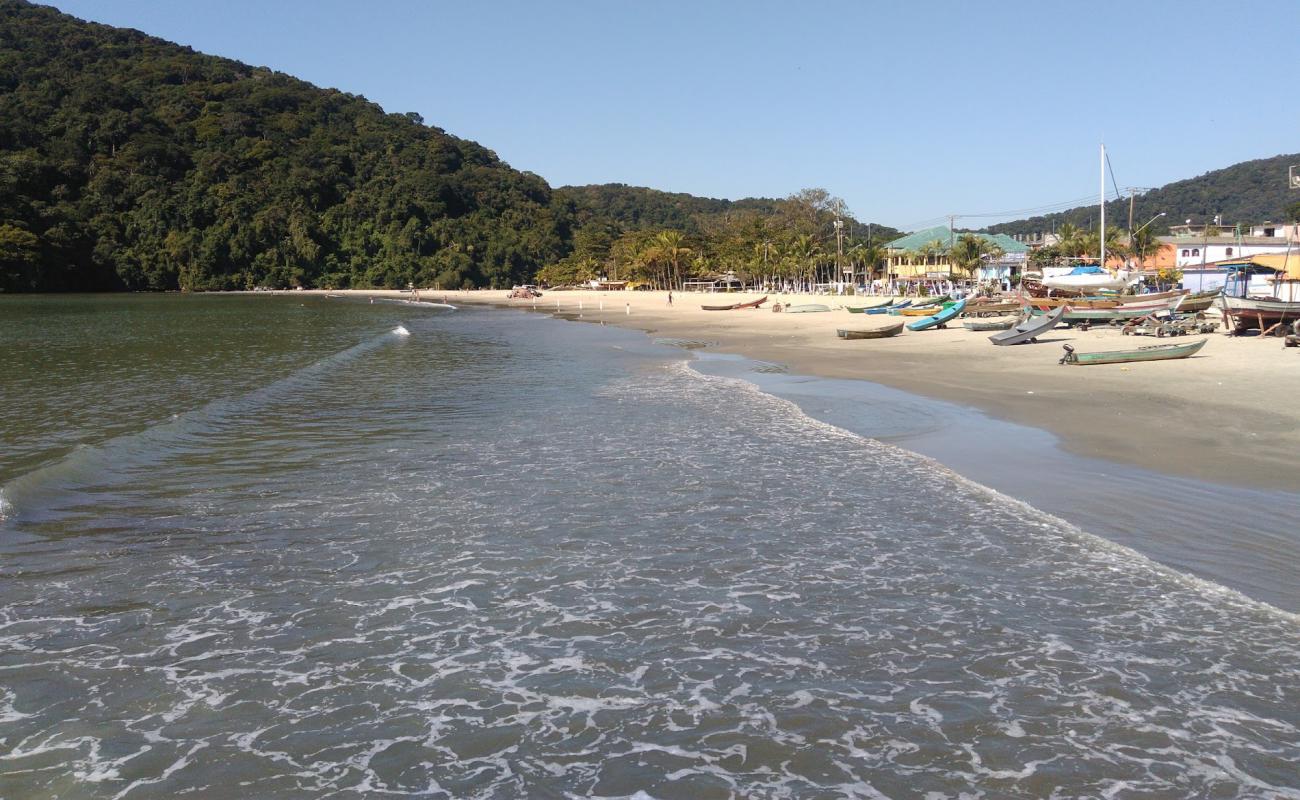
[1227,416]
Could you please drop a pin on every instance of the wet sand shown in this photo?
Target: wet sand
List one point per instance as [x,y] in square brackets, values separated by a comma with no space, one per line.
[1227,415]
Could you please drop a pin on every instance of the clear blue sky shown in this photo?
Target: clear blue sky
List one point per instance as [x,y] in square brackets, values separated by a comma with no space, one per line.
[907,110]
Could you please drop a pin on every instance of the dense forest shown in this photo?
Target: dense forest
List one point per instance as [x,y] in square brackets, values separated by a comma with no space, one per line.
[128,162]
[1249,192]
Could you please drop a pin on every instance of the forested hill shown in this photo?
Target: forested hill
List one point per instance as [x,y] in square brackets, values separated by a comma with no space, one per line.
[130,162]
[638,207]
[1249,192]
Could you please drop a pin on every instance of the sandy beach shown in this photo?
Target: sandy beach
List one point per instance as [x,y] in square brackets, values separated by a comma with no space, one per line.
[1226,415]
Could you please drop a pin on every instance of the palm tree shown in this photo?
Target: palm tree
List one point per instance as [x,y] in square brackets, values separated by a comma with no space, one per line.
[672,247]
[1069,239]
[968,250]
[804,250]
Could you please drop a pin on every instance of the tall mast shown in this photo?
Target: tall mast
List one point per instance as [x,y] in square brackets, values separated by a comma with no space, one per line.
[1102,235]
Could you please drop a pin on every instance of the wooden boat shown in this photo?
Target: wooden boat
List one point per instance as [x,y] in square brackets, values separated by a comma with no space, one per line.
[807,308]
[938,320]
[1155,352]
[889,309]
[1120,313]
[1244,313]
[1073,302]
[1037,289]
[920,311]
[1030,329]
[735,306]
[989,323]
[879,303]
[883,332]
[991,309]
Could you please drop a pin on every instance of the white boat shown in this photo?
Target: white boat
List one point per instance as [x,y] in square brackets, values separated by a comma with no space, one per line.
[1095,278]
[1091,279]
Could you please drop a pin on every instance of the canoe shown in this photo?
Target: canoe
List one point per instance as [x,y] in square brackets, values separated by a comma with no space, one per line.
[880,303]
[920,311]
[883,332]
[807,308]
[1030,329]
[1155,352]
[989,323]
[888,309]
[938,320]
[734,306]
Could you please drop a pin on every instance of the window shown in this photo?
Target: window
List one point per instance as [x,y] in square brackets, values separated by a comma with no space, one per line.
[1196,252]
[1186,254]
[1228,253]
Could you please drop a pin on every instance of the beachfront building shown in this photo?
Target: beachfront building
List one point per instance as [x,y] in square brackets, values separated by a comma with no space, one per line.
[1276,274]
[922,257]
[1198,245]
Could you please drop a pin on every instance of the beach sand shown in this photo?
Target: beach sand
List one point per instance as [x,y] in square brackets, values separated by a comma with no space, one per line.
[1228,415]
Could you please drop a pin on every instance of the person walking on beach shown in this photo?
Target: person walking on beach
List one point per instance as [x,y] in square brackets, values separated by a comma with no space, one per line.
[670,297]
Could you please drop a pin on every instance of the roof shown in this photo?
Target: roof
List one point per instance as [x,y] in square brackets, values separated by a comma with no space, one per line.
[918,239]
[1193,241]
[1287,264]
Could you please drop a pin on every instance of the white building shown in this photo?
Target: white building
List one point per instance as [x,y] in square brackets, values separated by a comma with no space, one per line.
[1198,250]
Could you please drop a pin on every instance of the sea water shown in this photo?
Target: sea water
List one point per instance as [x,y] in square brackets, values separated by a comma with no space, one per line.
[273,547]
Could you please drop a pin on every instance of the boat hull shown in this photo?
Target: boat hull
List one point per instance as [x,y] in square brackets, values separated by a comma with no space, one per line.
[888,309]
[883,332]
[1030,329]
[810,308]
[1158,352]
[989,323]
[862,309]
[1245,313]
[939,319]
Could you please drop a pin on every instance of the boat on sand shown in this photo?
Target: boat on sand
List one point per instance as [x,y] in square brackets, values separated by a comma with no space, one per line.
[939,319]
[989,323]
[1030,329]
[807,308]
[1155,352]
[883,332]
[735,306]
[870,304]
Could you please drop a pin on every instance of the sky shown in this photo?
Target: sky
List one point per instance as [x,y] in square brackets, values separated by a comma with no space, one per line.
[910,111]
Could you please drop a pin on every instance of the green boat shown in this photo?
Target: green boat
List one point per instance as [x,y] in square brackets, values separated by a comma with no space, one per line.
[862,309]
[1156,352]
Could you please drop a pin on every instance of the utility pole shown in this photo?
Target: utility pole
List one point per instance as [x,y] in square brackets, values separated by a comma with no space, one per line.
[952,235]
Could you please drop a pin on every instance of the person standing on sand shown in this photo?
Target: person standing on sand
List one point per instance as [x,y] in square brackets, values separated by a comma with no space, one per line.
[670,297]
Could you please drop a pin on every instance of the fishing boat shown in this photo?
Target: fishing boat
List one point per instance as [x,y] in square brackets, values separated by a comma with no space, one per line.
[1245,313]
[735,306]
[1072,302]
[938,320]
[889,309]
[879,303]
[1030,329]
[1155,352]
[989,323]
[883,332]
[807,308]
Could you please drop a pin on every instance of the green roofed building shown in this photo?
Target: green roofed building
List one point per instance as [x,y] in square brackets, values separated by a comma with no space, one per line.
[923,255]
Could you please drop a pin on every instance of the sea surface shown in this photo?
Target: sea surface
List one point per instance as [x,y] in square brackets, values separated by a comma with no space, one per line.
[283,547]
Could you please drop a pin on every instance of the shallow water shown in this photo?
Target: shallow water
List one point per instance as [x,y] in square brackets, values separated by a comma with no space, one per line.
[504,555]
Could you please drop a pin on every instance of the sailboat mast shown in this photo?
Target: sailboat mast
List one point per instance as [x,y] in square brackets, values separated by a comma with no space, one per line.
[1102,236]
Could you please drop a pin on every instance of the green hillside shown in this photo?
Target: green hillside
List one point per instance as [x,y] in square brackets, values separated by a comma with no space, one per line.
[1252,191]
[130,162]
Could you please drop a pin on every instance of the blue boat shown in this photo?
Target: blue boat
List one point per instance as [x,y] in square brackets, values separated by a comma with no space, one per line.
[887,309]
[937,320]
